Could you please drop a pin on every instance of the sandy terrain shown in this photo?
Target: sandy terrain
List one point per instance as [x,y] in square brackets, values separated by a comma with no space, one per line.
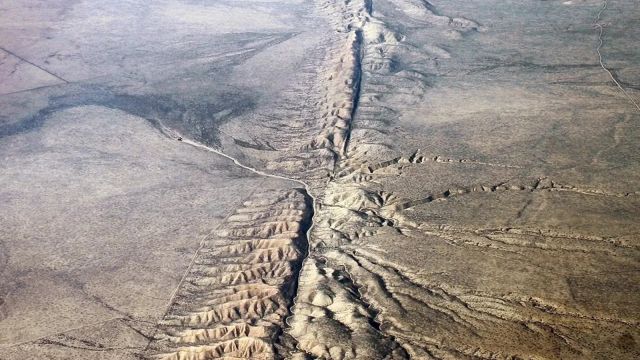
[386,179]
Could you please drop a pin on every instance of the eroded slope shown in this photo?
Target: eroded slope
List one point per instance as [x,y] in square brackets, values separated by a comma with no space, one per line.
[237,293]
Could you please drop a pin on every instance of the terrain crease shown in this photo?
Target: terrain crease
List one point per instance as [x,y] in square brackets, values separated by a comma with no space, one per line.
[600,28]
[35,65]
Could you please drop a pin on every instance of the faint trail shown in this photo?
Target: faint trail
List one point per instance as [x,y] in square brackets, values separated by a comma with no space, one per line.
[28,341]
[235,161]
[32,64]
[600,27]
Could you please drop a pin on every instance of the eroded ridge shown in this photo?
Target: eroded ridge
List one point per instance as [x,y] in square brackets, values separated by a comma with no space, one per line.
[362,48]
[237,294]
[333,321]
[340,82]
[331,318]
[384,76]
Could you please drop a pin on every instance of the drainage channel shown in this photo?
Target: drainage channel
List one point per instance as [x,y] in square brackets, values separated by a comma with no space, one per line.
[172,134]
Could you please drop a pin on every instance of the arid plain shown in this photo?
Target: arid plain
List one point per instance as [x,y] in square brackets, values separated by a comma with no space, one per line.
[319,179]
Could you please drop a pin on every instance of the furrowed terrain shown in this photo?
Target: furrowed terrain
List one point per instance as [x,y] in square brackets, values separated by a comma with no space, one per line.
[411,180]
[237,294]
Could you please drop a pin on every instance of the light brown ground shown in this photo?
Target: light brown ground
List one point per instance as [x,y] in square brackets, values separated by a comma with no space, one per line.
[390,179]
